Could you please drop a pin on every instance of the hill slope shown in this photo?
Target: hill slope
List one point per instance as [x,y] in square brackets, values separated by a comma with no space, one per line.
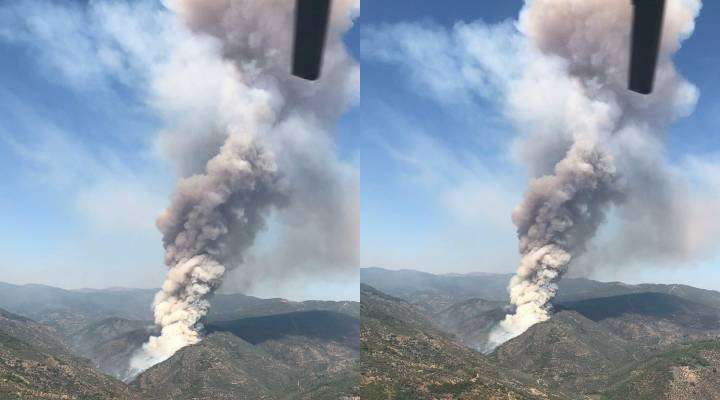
[222,366]
[404,356]
[688,371]
[36,364]
[569,353]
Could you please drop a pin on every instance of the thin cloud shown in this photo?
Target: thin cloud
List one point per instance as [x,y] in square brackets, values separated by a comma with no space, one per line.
[95,184]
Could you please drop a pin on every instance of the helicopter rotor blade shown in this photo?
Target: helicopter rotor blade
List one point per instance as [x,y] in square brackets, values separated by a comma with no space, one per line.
[311,24]
[646,32]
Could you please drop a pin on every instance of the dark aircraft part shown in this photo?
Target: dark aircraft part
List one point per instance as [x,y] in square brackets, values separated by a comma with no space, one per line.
[646,31]
[311,23]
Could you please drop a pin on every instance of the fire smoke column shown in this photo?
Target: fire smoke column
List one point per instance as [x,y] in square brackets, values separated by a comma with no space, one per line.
[210,216]
[277,153]
[557,217]
[563,207]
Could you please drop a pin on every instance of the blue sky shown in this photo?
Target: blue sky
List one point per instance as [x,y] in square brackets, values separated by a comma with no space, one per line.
[414,153]
[81,182]
[438,177]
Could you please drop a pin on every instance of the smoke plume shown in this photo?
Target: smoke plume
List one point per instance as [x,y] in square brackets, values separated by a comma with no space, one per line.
[593,160]
[266,147]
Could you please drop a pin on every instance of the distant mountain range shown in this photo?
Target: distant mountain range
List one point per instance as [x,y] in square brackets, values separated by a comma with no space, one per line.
[494,286]
[71,310]
[76,344]
[422,336]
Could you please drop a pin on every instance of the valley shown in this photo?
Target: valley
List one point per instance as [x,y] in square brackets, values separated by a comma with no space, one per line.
[61,344]
[424,336]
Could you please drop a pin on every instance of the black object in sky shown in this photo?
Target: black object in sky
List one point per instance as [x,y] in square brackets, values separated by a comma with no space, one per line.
[646,31]
[311,23]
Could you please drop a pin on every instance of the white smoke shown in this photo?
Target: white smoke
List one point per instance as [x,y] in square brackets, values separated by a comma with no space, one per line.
[591,164]
[267,146]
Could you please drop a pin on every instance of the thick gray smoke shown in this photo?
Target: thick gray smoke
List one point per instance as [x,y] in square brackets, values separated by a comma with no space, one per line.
[557,217]
[212,219]
[594,162]
[319,228]
[268,145]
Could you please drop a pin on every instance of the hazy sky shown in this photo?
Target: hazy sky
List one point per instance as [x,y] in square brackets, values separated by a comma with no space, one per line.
[83,172]
[439,179]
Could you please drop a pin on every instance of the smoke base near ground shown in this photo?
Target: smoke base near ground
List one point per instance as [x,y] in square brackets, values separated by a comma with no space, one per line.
[267,151]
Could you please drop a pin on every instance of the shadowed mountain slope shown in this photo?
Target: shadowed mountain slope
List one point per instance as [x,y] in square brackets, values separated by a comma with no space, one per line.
[657,305]
[650,318]
[324,325]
